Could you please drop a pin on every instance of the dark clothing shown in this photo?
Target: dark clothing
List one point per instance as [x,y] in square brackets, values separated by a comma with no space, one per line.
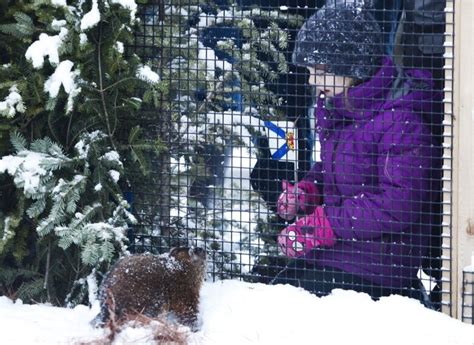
[423,26]
[322,280]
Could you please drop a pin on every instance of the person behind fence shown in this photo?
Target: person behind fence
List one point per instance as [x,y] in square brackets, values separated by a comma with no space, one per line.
[358,215]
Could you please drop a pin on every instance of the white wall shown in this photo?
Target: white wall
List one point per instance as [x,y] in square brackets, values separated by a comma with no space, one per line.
[463,144]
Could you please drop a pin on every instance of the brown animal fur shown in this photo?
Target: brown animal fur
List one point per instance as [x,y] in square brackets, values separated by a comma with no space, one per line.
[154,285]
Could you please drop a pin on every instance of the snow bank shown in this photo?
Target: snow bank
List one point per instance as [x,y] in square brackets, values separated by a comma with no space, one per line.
[240,313]
[234,312]
[43,324]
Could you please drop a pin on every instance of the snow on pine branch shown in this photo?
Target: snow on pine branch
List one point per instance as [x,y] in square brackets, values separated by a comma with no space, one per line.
[91,18]
[59,3]
[29,168]
[131,5]
[64,197]
[146,74]
[208,56]
[65,77]
[12,104]
[52,47]
[237,122]
[83,146]
[46,46]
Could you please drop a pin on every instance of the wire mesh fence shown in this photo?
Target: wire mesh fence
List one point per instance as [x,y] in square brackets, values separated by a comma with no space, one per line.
[467,303]
[302,142]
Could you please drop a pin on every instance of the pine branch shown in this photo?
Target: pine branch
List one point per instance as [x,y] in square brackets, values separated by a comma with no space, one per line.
[37,207]
[18,141]
[23,29]
[101,88]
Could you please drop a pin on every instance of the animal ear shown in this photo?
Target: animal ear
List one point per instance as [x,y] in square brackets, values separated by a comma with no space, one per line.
[173,250]
[197,253]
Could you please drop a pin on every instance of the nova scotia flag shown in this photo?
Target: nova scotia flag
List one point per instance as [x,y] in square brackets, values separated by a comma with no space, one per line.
[282,140]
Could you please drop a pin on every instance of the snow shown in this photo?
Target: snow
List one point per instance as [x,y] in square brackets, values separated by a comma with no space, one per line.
[25,167]
[61,189]
[170,10]
[146,74]
[58,24]
[243,217]
[91,18]
[428,281]
[237,123]
[208,56]
[178,166]
[61,76]
[233,118]
[234,312]
[7,232]
[59,3]
[128,4]
[112,156]
[284,314]
[65,77]
[13,103]
[82,147]
[115,175]
[46,46]
[206,20]
[82,38]
[43,324]
[93,289]
[119,47]
[470,268]
[228,15]
[238,211]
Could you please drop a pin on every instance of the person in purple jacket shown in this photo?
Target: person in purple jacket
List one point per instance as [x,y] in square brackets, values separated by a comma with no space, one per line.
[362,212]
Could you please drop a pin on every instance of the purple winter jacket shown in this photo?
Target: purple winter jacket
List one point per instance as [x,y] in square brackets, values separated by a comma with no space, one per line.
[375,175]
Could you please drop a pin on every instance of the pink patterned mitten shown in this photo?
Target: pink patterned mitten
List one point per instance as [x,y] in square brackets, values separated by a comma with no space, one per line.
[307,233]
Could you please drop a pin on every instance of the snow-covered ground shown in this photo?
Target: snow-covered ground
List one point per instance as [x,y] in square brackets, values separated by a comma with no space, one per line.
[234,312]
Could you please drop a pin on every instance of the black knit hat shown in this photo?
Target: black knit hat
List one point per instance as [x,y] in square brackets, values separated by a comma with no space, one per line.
[342,35]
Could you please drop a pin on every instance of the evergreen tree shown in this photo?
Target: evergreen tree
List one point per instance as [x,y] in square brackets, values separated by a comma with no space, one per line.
[70,98]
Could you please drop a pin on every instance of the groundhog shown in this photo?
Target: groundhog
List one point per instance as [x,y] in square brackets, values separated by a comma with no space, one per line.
[154,285]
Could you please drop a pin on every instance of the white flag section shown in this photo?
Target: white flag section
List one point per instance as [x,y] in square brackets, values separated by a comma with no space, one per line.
[282,140]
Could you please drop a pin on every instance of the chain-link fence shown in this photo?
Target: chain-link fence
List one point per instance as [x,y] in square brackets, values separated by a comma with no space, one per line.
[302,142]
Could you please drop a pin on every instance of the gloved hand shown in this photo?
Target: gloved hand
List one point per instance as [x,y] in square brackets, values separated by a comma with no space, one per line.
[307,233]
[303,196]
[289,200]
